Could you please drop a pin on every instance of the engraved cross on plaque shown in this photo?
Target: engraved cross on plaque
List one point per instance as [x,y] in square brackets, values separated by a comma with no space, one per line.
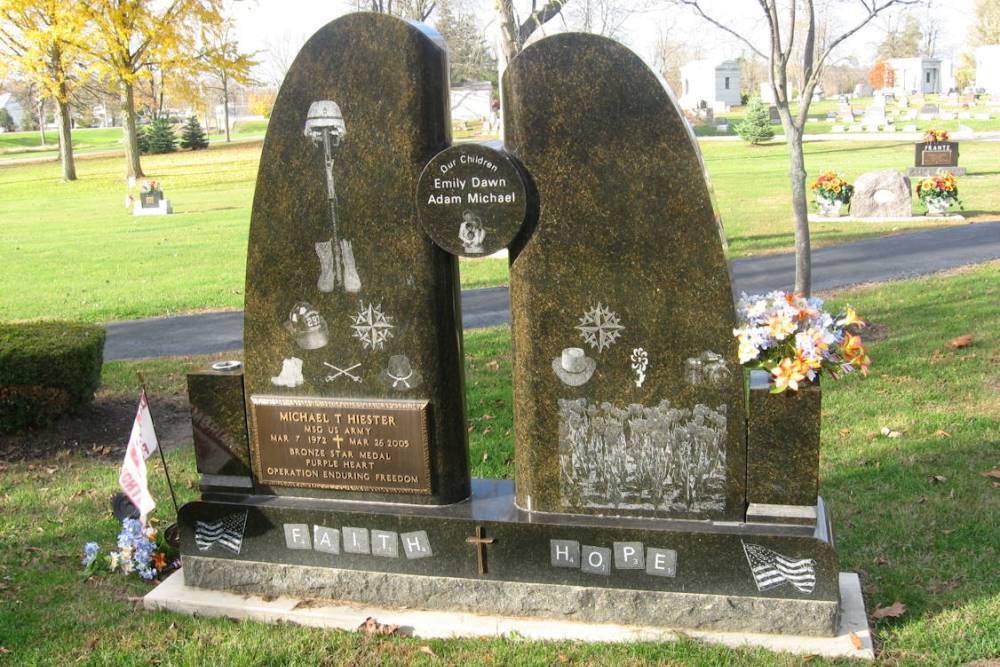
[337,439]
[480,542]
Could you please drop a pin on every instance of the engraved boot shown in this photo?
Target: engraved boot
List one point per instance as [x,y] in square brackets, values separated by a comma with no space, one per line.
[352,282]
[327,278]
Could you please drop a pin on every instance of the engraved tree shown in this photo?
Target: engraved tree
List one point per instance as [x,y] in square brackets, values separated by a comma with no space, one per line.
[797,41]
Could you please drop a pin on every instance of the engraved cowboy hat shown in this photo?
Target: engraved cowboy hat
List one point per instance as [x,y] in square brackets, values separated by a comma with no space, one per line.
[574,367]
[400,374]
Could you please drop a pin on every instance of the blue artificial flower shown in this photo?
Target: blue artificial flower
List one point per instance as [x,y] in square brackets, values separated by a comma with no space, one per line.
[90,550]
[147,573]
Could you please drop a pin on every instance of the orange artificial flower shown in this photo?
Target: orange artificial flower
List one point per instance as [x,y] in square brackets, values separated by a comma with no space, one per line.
[850,318]
[159,561]
[787,375]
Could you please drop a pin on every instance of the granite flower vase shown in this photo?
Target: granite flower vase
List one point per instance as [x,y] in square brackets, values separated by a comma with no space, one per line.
[938,205]
[783,443]
[829,208]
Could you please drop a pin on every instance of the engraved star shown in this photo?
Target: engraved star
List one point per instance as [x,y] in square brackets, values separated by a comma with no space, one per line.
[372,327]
[599,327]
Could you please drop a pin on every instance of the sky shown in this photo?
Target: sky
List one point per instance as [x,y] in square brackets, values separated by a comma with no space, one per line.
[284,25]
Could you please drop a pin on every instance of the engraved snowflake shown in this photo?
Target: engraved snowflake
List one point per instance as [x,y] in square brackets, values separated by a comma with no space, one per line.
[599,327]
[372,327]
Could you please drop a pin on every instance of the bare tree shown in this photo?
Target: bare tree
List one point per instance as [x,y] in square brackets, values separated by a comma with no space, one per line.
[672,52]
[604,17]
[514,33]
[417,10]
[796,20]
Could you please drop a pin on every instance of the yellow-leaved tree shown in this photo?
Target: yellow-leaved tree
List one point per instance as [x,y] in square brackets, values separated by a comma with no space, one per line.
[224,61]
[38,43]
[131,37]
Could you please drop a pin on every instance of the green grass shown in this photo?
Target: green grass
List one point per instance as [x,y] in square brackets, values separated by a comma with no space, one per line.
[932,545]
[16,145]
[71,250]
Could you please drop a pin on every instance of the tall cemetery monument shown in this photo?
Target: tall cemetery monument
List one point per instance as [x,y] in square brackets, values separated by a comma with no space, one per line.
[649,488]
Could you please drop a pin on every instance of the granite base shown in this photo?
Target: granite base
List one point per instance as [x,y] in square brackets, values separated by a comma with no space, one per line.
[924,172]
[852,638]
[165,208]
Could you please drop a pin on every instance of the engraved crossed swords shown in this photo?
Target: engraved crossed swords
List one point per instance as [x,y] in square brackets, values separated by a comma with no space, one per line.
[342,371]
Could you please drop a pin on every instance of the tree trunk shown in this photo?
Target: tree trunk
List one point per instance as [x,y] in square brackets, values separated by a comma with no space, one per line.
[225,103]
[509,35]
[134,168]
[797,177]
[41,120]
[65,137]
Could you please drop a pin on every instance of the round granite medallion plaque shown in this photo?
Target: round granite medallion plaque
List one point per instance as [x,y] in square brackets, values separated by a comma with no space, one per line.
[471,200]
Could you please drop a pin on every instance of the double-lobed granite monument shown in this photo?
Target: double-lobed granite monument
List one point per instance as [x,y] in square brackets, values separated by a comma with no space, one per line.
[650,490]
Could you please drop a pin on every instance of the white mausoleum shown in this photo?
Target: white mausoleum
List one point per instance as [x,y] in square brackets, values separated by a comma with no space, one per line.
[916,75]
[710,83]
[988,68]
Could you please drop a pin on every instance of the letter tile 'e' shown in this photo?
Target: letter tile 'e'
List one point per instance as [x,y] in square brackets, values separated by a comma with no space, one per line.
[596,560]
[565,553]
[385,543]
[661,562]
[326,539]
[416,544]
[297,536]
[356,540]
[629,556]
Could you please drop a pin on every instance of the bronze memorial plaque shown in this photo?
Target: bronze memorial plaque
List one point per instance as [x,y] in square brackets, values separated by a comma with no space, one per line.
[354,445]
[937,158]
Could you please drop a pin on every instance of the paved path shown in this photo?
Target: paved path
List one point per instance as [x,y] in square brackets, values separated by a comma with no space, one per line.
[873,260]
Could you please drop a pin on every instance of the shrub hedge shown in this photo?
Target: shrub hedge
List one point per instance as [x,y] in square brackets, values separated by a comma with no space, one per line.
[47,369]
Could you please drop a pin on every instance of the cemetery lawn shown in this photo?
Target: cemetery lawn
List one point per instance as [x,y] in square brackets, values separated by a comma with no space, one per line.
[912,513]
[71,250]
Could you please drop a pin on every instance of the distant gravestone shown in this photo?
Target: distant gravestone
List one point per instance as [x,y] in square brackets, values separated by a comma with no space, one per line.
[775,117]
[881,194]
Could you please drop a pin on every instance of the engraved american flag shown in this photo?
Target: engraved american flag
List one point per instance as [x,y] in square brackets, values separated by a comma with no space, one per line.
[226,532]
[770,569]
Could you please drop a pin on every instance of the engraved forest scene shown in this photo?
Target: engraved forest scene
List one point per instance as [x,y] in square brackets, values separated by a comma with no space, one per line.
[661,457]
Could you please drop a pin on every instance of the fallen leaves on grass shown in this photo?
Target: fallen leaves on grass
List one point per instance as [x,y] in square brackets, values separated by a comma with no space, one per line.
[937,479]
[4,650]
[493,365]
[858,644]
[890,433]
[373,627]
[995,473]
[428,650]
[960,342]
[895,610]
[941,433]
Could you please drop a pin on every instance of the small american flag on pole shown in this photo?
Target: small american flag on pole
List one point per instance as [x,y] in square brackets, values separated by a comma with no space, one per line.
[141,444]
[770,569]
[226,532]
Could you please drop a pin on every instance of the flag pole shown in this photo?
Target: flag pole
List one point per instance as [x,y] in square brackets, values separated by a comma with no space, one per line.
[163,459]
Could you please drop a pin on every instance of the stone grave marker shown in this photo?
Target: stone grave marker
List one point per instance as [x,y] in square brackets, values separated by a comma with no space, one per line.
[353,336]
[930,157]
[339,465]
[620,255]
[881,194]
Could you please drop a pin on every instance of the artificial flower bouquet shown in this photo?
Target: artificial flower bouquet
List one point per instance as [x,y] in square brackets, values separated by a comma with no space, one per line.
[941,186]
[792,338]
[933,136]
[141,550]
[150,186]
[832,188]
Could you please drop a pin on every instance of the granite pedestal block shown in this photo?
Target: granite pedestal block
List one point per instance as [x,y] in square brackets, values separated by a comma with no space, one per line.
[485,553]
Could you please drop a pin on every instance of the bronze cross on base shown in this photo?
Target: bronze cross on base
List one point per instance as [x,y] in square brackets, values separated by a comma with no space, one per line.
[480,543]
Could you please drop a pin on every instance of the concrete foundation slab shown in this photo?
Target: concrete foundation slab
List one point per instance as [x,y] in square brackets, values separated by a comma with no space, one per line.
[853,638]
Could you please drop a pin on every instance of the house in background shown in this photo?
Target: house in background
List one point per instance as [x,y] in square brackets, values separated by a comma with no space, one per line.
[916,75]
[988,69]
[710,84]
[471,101]
[12,107]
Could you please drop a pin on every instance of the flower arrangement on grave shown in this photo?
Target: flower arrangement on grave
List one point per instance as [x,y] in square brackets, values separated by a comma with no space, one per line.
[150,186]
[933,136]
[831,192]
[939,192]
[793,339]
[141,550]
